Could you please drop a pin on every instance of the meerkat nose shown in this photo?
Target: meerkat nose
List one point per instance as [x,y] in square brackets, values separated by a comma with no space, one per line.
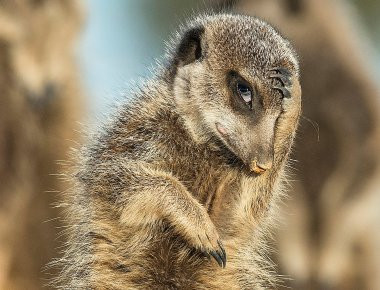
[260,168]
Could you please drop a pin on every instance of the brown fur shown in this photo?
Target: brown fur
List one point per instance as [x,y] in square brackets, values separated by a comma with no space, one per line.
[38,108]
[159,189]
[331,238]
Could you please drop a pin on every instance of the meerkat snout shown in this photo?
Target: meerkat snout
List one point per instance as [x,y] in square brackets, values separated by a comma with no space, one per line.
[260,168]
[262,159]
[258,158]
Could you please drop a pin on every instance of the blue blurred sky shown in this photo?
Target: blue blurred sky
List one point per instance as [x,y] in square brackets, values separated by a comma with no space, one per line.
[116,47]
[120,41]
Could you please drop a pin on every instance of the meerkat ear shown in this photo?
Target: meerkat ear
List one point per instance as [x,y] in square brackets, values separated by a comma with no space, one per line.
[190,48]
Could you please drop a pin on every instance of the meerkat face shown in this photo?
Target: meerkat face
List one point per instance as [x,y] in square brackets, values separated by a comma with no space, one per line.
[236,78]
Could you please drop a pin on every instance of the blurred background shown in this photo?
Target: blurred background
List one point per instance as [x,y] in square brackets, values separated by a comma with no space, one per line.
[63,64]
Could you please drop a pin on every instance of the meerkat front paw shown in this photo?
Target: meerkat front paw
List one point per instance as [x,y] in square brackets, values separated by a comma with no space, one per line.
[203,236]
[282,75]
[210,244]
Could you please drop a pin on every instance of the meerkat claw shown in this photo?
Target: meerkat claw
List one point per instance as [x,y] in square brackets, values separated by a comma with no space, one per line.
[281,70]
[218,257]
[284,91]
[285,81]
[283,76]
[223,253]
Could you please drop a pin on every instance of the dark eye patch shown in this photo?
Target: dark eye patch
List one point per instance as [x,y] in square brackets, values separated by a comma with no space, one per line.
[245,93]
[241,89]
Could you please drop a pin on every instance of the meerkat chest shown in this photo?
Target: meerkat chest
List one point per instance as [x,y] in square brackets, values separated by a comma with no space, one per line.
[238,204]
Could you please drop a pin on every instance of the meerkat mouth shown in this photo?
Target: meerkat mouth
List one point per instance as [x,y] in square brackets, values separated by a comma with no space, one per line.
[221,129]
[252,167]
[232,158]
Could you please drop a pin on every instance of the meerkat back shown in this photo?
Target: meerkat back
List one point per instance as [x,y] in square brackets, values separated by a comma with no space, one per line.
[178,191]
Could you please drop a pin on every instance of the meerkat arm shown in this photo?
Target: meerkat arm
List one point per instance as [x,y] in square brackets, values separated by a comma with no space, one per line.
[146,195]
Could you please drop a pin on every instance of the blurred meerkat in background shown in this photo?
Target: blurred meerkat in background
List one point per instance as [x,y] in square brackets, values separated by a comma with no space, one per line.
[39,107]
[331,237]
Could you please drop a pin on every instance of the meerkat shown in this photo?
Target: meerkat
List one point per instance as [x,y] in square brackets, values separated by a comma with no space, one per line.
[330,237]
[40,104]
[178,190]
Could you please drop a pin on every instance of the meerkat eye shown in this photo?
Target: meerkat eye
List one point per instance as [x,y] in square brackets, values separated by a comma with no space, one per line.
[245,93]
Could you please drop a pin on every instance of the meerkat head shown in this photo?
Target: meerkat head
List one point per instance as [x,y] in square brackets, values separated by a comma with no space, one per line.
[235,78]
